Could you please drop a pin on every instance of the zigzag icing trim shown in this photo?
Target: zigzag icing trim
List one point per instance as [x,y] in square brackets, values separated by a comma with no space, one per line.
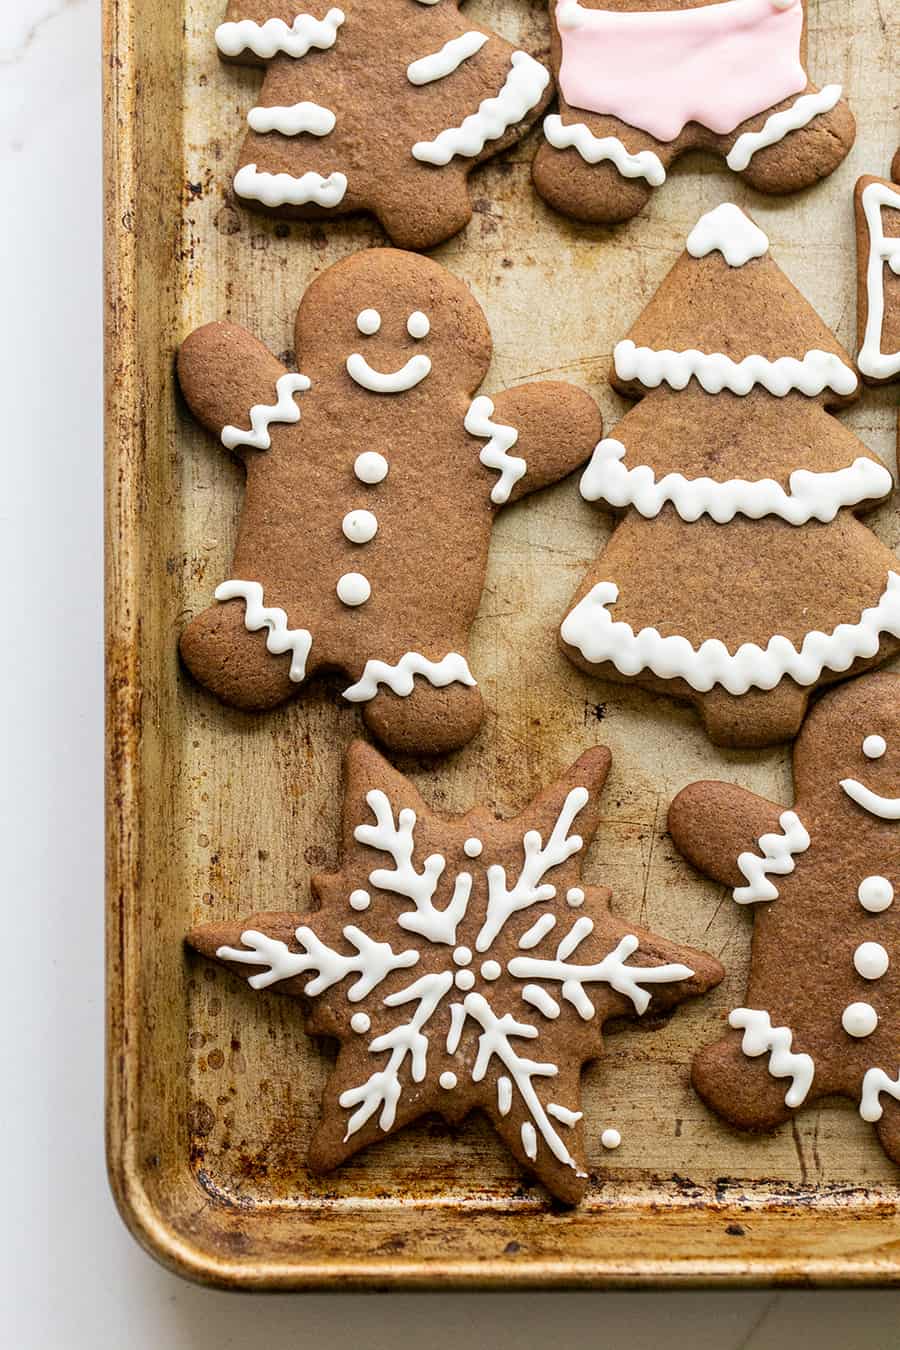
[875,1082]
[780,124]
[778,857]
[281,639]
[495,454]
[714,371]
[267,39]
[293,119]
[872,361]
[760,1036]
[451,669]
[262,415]
[283,189]
[523,88]
[593,149]
[591,629]
[812,496]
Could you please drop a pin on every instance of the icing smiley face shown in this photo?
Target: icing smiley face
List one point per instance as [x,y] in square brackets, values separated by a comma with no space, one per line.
[406,377]
[886,807]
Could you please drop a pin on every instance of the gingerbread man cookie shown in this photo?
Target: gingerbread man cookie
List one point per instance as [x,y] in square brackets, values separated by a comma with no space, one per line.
[382,105]
[373,480]
[462,965]
[642,81]
[877,204]
[822,1010]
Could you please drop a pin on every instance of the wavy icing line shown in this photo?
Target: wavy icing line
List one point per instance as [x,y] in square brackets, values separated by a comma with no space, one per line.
[591,629]
[281,639]
[778,857]
[438,65]
[522,89]
[451,669]
[267,39]
[495,454]
[760,1036]
[593,149]
[812,496]
[780,124]
[262,415]
[293,119]
[714,371]
[283,189]
[875,1082]
[872,360]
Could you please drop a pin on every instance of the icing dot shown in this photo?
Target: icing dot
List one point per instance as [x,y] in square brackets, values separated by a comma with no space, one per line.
[359,526]
[575,896]
[871,960]
[447,1080]
[353,589]
[360,900]
[874,747]
[464,979]
[472,848]
[491,970]
[370,467]
[610,1138]
[875,894]
[462,956]
[859,1019]
[360,1022]
[368,321]
[418,325]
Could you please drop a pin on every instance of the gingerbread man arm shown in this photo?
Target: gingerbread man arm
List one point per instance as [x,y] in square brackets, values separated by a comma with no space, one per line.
[536,434]
[239,40]
[714,824]
[224,372]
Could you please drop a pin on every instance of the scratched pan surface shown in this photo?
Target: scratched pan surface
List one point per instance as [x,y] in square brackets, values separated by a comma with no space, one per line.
[212,1091]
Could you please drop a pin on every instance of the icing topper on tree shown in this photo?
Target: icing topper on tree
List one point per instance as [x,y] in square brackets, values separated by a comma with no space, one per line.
[877,204]
[640,84]
[373,481]
[381,105]
[461,964]
[822,1004]
[738,576]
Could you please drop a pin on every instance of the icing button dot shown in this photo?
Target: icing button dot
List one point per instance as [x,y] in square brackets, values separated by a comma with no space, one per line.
[473,848]
[875,894]
[359,526]
[360,1022]
[874,747]
[491,970]
[360,900]
[447,1080]
[871,960]
[462,956]
[353,589]
[370,467]
[859,1019]
[418,325]
[464,979]
[575,896]
[368,321]
[610,1138]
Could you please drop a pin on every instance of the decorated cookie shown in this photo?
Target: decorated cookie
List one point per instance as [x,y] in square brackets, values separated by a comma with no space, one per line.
[382,105]
[822,1007]
[738,576]
[878,276]
[461,964]
[641,81]
[373,480]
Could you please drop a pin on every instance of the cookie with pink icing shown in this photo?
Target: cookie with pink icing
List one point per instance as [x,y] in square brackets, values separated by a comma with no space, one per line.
[643,81]
[877,203]
[821,1011]
[382,106]
[373,479]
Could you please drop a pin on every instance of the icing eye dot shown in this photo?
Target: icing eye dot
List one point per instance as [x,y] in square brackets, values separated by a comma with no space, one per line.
[491,970]
[370,467]
[575,896]
[473,848]
[418,324]
[875,894]
[368,322]
[859,1019]
[353,589]
[360,900]
[871,960]
[610,1138]
[360,1023]
[874,747]
[447,1080]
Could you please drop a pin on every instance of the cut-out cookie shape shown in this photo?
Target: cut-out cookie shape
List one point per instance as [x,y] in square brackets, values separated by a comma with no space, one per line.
[738,577]
[877,204]
[373,481]
[461,964]
[642,81]
[821,1013]
[380,105]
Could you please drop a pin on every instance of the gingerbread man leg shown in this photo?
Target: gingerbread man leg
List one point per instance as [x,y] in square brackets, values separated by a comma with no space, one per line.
[760,717]
[740,1089]
[802,157]
[579,176]
[233,663]
[431,719]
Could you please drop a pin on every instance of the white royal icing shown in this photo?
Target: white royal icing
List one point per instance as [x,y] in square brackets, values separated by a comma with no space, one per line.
[778,852]
[451,669]
[438,65]
[373,961]
[281,639]
[416,369]
[473,848]
[273,36]
[575,896]
[728,231]
[353,589]
[874,747]
[779,124]
[875,894]
[591,628]
[368,321]
[610,1138]
[810,496]
[887,808]
[537,932]
[563,1114]
[523,88]
[612,970]
[360,1023]
[875,1082]
[262,415]
[593,149]
[883,251]
[529,1139]
[283,189]
[293,120]
[448,1080]
[495,454]
[714,371]
[761,1037]
[538,997]
[418,325]
[360,900]
[859,1020]
[370,467]
[871,960]
[360,527]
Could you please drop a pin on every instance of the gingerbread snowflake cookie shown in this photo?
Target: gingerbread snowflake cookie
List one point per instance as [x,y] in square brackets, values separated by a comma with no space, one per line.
[878,276]
[822,1006]
[380,105]
[461,964]
[642,81]
[373,480]
[738,577]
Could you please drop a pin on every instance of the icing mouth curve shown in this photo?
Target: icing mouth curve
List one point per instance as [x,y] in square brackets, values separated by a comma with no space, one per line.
[393,382]
[888,808]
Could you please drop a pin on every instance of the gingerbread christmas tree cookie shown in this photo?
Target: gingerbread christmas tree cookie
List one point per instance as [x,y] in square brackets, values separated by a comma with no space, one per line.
[642,81]
[738,577]
[878,276]
[373,481]
[821,1013]
[380,105]
[462,964]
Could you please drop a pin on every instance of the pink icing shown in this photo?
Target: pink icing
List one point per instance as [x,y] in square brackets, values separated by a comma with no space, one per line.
[717,65]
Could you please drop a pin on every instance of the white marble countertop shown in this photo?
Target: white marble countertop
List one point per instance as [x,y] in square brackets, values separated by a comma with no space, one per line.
[70,1274]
